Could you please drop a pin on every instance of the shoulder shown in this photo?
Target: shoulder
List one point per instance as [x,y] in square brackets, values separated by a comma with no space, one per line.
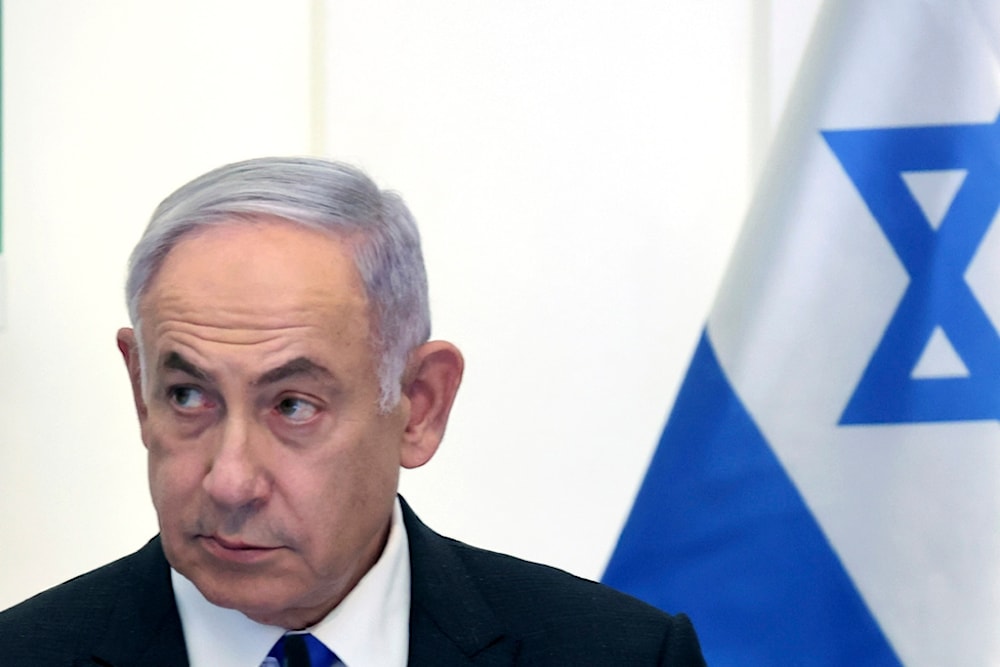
[556,617]
[81,596]
[560,609]
[56,623]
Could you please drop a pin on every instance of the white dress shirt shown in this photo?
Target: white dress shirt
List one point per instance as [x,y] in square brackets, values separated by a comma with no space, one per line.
[369,628]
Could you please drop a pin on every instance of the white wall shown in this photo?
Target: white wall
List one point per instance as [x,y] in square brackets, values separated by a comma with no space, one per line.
[579,170]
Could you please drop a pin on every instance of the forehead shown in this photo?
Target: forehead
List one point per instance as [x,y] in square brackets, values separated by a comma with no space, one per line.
[262,274]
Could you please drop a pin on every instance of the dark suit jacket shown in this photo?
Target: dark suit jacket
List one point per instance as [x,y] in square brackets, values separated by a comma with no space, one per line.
[468,607]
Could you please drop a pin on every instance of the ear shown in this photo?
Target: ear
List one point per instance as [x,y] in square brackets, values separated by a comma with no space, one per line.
[129,347]
[432,380]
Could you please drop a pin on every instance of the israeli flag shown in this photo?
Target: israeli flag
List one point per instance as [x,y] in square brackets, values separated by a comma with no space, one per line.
[827,487]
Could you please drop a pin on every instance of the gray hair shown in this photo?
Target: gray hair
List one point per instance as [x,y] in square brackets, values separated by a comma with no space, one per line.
[318,194]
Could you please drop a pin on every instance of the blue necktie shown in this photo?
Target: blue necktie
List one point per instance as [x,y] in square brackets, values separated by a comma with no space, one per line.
[301,649]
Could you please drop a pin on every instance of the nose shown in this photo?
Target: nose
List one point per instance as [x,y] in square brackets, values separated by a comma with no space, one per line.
[236,477]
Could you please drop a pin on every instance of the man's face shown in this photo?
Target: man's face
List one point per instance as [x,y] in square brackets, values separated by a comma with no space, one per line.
[272,471]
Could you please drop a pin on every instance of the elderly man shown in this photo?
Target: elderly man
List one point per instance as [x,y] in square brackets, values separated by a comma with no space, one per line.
[282,374]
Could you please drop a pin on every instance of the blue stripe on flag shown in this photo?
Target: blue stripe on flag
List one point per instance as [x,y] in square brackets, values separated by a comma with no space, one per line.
[720,532]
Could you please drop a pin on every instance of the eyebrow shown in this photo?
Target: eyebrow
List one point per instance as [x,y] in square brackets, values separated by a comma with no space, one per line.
[292,368]
[176,362]
[297,366]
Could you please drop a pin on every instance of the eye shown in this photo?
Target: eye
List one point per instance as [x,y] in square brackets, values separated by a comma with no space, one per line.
[296,410]
[188,398]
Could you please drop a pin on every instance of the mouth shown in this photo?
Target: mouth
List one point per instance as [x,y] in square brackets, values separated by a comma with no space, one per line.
[235,551]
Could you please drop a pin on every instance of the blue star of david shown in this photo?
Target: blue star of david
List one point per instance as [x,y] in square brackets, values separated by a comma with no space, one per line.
[937,294]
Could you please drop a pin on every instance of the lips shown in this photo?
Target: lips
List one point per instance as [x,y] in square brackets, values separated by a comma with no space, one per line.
[235,544]
[235,550]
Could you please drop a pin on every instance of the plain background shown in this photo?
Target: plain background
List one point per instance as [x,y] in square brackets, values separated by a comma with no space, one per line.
[579,171]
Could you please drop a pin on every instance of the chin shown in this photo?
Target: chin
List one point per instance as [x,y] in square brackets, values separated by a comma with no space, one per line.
[245,597]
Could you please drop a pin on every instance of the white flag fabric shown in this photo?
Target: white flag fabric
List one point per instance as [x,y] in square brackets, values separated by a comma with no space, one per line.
[827,488]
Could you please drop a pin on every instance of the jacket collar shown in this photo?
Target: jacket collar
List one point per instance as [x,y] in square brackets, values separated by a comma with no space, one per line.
[144,627]
[450,622]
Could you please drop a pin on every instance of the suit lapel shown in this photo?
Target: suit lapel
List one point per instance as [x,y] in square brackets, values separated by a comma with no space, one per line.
[450,622]
[144,627]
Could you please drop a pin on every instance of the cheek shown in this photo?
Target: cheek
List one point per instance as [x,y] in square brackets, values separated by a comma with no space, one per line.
[350,492]
[175,474]
[334,488]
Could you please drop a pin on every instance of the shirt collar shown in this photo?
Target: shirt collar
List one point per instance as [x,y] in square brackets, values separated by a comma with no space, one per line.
[369,628]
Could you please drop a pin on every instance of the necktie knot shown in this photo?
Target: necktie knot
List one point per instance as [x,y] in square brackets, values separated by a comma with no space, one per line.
[300,649]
